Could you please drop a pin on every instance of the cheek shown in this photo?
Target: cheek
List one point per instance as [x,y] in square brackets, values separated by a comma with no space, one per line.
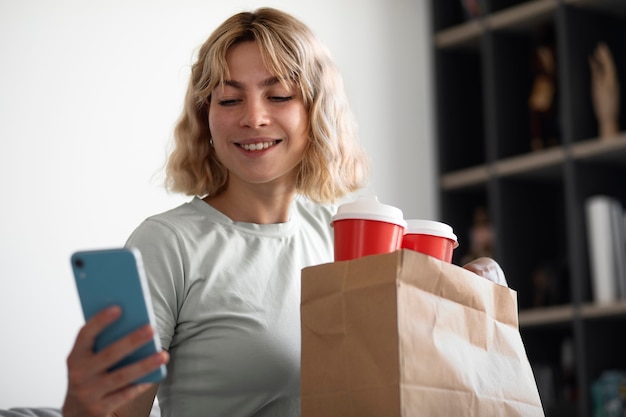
[216,123]
[305,126]
[299,120]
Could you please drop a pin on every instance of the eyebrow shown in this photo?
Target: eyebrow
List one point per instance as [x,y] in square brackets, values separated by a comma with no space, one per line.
[268,82]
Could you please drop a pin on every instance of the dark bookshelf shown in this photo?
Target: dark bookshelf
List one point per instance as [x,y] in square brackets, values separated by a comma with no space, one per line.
[534,197]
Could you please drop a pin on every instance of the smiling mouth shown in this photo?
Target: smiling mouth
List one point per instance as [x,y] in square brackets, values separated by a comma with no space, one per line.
[260,146]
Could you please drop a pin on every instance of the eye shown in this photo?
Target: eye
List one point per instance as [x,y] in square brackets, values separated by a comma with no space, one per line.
[228,102]
[280,99]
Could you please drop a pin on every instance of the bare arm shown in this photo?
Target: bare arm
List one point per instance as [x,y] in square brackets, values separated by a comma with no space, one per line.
[92,391]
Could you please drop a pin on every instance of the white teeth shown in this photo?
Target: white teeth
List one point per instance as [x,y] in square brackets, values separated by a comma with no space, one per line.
[257,146]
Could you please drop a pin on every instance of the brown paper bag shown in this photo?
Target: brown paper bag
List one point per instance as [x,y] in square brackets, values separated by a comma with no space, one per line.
[404,334]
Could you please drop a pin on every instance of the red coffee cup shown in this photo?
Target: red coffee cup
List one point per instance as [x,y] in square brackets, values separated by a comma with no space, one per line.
[430,237]
[367,227]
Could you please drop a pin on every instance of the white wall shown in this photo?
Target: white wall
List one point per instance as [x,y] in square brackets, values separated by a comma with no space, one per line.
[89,93]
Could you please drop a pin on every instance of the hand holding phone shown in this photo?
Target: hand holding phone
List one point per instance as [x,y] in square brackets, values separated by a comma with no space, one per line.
[109,277]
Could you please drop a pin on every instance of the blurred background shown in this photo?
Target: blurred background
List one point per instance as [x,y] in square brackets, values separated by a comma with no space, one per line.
[89,94]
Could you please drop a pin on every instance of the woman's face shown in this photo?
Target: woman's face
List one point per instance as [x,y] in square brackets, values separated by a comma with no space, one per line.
[258,126]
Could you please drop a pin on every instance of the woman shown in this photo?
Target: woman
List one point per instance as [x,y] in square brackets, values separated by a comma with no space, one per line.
[267,138]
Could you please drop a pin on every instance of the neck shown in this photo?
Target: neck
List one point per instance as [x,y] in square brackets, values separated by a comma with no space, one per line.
[253,205]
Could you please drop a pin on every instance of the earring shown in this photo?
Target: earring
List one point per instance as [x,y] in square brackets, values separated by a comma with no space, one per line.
[211,142]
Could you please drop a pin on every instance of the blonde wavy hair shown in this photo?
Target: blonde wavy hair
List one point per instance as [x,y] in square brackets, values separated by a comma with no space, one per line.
[333,164]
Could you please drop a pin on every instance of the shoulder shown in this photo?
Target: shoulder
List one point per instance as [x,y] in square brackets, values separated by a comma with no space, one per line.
[311,210]
[174,224]
[315,219]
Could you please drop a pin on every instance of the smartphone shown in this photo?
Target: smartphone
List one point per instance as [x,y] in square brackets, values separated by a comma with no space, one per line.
[116,276]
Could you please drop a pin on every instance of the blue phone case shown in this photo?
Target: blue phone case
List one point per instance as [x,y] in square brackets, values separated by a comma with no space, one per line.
[116,277]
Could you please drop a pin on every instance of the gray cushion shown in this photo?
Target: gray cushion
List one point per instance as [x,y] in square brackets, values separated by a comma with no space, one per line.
[55,412]
[31,412]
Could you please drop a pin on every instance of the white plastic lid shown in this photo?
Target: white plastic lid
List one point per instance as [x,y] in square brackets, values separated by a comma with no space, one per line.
[368,208]
[432,228]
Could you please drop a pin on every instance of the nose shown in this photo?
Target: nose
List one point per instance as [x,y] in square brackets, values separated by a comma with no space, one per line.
[255,113]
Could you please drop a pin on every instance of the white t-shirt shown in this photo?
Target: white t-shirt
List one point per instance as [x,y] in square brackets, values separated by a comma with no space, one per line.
[226,297]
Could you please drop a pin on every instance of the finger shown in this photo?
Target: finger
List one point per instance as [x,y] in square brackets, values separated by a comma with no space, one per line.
[79,367]
[94,326]
[123,377]
[84,364]
[123,396]
[105,405]
[119,349]
[109,390]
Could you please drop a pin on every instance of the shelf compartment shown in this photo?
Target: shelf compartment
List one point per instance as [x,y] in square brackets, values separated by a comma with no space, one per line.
[585,28]
[600,177]
[460,112]
[609,343]
[515,75]
[531,240]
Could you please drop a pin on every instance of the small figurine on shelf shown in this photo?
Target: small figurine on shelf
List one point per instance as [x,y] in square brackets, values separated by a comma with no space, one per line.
[608,394]
[604,91]
[550,283]
[542,287]
[542,102]
[481,236]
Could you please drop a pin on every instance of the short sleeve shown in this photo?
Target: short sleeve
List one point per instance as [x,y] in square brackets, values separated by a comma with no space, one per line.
[163,261]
